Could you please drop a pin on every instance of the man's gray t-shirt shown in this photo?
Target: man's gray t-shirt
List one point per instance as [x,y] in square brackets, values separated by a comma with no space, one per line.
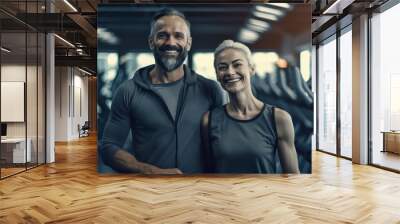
[169,92]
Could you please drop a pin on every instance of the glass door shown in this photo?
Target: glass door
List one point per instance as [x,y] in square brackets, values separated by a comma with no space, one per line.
[346,92]
[327,96]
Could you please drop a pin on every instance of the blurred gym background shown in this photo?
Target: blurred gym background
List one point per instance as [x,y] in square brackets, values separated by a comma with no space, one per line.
[278,34]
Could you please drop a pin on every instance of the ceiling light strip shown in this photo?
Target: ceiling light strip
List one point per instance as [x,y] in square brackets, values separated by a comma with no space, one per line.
[64,40]
[5,49]
[70,5]
[280,5]
[84,71]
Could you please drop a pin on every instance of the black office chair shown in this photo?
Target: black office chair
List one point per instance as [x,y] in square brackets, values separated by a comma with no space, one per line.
[84,130]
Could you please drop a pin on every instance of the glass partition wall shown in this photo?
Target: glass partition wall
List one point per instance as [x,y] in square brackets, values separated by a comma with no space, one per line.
[334,94]
[327,95]
[13,86]
[334,109]
[385,89]
[345,62]
[22,88]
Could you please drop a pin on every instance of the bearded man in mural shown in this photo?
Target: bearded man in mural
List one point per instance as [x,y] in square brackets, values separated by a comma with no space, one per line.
[161,106]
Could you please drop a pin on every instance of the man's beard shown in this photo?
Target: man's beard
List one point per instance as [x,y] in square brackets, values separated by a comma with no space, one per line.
[169,63]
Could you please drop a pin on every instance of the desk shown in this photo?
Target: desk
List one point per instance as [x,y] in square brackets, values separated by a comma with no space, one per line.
[391,141]
[13,150]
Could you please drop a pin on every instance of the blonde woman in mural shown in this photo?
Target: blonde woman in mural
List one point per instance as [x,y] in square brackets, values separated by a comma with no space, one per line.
[244,135]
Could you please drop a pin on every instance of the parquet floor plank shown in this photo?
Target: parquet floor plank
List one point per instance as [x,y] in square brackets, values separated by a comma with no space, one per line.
[71,191]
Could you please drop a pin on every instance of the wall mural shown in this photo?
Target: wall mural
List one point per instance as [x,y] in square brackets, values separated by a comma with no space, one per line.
[204,88]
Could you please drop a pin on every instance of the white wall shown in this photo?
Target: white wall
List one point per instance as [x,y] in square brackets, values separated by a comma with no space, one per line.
[13,72]
[33,126]
[16,73]
[61,103]
[81,82]
[79,112]
[71,93]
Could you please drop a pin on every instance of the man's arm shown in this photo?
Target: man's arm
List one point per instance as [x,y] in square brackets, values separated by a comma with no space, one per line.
[129,163]
[286,149]
[115,134]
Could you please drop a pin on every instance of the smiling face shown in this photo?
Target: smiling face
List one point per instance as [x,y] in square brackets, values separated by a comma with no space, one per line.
[233,70]
[170,42]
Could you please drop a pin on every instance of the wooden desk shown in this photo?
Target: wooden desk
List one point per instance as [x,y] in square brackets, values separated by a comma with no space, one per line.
[13,150]
[391,141]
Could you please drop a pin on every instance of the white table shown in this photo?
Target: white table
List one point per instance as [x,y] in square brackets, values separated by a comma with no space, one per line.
[18,145]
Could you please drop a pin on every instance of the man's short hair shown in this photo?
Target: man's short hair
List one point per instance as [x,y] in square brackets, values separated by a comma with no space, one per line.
[167,12]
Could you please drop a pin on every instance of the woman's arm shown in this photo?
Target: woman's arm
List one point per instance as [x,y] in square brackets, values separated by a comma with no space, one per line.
[286,149]
[205,143]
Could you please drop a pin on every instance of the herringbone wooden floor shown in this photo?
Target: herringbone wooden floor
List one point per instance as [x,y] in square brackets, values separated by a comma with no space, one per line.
[71,191]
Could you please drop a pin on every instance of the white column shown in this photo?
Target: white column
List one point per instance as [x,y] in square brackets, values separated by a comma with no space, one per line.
[360,90]
[50,92]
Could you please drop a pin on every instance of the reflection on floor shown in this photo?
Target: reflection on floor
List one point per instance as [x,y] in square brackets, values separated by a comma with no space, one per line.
[387,159]
[13,169]
[10,171]
[346,152]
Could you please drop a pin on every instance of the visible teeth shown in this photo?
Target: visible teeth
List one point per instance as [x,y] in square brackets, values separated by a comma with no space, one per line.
[171,51]
[232,80]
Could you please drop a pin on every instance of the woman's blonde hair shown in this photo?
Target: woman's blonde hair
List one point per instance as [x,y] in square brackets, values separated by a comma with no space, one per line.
[234,45]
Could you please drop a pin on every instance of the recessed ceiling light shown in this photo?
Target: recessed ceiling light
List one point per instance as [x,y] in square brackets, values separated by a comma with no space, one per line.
[257,28]
[265,9]
[248,35]
[259,23]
